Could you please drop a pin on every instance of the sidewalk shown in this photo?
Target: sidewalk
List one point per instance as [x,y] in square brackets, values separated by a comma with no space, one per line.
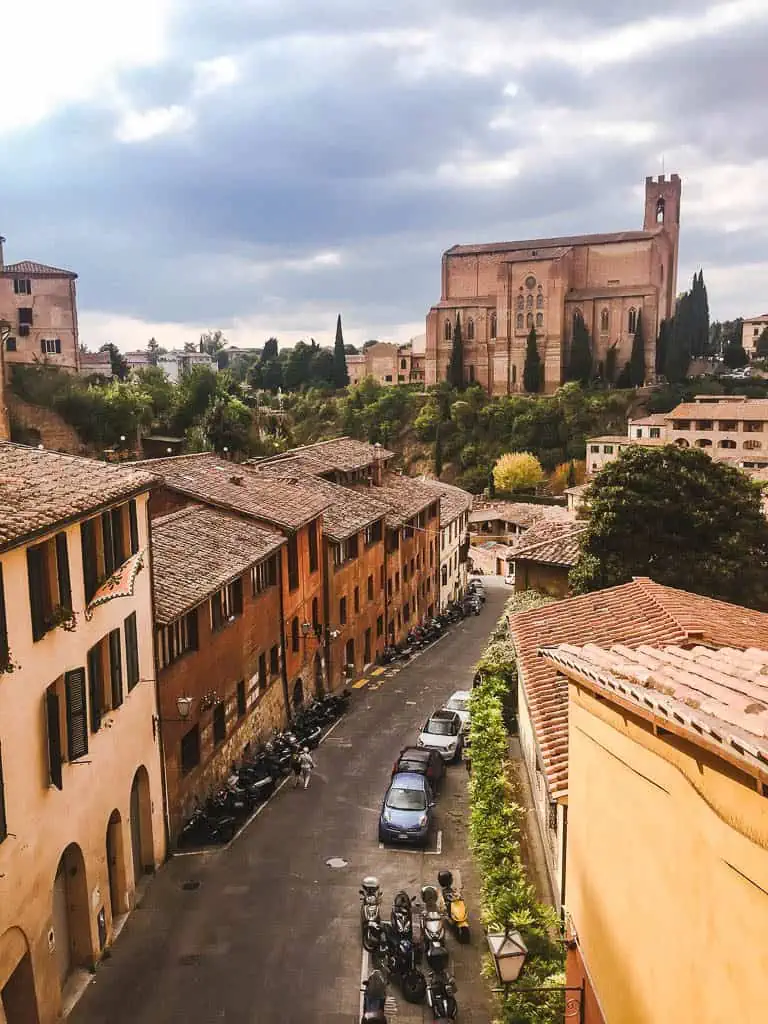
[531,847]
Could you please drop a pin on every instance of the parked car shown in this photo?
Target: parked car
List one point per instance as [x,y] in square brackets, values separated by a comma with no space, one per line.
[442,732]
[421,761]
[406,812]
[459,702]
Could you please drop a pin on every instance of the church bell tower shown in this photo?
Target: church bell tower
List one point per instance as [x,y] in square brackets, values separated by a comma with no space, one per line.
[662,213]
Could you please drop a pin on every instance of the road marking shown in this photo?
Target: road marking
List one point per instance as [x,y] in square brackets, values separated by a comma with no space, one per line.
[377,671]
[364,972]
[359,684]
[406,849]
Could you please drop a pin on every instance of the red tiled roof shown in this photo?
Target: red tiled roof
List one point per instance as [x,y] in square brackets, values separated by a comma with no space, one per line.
[633,614]
[522,513]
[454,501]
[717,696]
[551,543]
[348,511]
[537,244]
[403,496]
[31,267]
[736,409]
[344,454]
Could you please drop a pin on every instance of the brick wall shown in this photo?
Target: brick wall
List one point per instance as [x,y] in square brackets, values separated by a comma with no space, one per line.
[341,582]
[547,579]
[55,434]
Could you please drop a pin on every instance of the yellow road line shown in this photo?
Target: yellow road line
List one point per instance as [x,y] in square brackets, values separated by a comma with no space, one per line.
[359,684]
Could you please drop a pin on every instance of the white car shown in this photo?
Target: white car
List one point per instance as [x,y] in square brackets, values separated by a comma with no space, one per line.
[442,732]
[459,702]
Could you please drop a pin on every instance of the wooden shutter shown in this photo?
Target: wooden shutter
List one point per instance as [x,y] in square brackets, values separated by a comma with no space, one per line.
[237,597]
[3,821]
[57,346]
[54,737]
[192,638]
[131,652]
[118,534]
[62,569]
[109,544]
[133,520]
[95,685]
[77,714]
[42,345]
[4,649]
[116,668]
[90,562]
[36,574]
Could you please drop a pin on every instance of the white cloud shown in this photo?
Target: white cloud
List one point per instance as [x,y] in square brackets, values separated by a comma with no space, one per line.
[139,126]
[215,74]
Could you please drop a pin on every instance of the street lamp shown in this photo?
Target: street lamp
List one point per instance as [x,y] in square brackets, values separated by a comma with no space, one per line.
[183,706]
[509,953]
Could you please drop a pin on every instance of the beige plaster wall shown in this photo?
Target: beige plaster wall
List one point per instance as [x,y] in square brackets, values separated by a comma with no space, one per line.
[54,312]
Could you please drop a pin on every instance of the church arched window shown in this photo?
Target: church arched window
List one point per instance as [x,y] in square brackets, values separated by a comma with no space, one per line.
[632,320]
[493,325]
[519,321]
[604,321]
[520,302]
[529,320]
[576,318]
[660,210]
[529,302]
[514,374]
[539,301]
[539,319]
[470,329]
[447,332]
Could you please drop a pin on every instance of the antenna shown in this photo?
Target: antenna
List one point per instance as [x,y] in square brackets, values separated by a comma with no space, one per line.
[662,163]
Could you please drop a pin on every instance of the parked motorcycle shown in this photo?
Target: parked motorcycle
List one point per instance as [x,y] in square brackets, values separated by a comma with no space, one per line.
[370,911]
[207,826]
[432,924]
[374,998]
[402,915]
[398,957]
[441,997]
[455,907]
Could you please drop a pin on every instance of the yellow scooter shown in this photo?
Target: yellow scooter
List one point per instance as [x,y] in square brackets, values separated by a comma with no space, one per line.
[455,907]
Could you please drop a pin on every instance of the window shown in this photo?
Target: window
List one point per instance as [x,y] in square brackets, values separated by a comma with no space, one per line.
[632,320]
[471,371]
[96,691]
[313,562]
[703,442]
[405,572]
[402,364]
[520,302]
[131,651]
[22,286]
[373,533]
[753,427]
[726,443]
[115,668]
[470,329]
[219,723]
[379,625]
[660,210]
[514,374]
[3,821]
[113,539]
[682,425]
[345,550]
[638,431]
[444,575]
[242,706]
[343,611]
[529,320]
[264,575]
[752,445]
[493,325]
[50,592]
[529,302]
[357,599]
[25,321]
[77,714]
[226,604]
[381,577]
[50,346]
[315,614]
[519,321]
[133,526]
[704,425]
[190,750]
[10,344]
[53,730]
[397,581]
[295,641]
[729,425]
[654,432]
[432,551]
[262,670]
[406,612]
[608,449]
[175,639]
[604,321]
[539,301]
[447,330]
[539,319]
[388,378]
[293,563]
[370,588]
[274,660]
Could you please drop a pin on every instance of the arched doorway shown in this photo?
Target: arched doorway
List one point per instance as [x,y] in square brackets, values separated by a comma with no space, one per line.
[116,866]
[318,674]
[71,926]
[298,694]
[142,846]
[18,1002]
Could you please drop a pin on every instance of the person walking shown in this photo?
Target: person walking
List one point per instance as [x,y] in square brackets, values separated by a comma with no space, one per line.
[296,768]
[307,764]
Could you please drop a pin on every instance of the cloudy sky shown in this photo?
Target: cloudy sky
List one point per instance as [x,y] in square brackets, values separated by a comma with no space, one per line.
[261,165]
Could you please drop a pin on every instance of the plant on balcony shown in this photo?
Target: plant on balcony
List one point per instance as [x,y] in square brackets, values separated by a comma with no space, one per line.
[62,617]
[7,664]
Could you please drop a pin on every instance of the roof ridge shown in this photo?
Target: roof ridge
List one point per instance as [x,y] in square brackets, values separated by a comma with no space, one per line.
[178,513]
[564,533]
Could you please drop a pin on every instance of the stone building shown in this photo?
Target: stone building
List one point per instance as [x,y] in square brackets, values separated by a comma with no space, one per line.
[39,303]
[542,559]
[387,362]
[220,646]
[500,290]
[455,505]
[81,796]
[750,333]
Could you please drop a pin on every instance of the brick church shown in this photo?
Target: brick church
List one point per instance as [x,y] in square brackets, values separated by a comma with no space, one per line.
[501,289]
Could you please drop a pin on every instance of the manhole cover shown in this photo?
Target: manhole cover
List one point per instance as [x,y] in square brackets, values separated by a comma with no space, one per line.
[189,960]
[336,862]
[190,886]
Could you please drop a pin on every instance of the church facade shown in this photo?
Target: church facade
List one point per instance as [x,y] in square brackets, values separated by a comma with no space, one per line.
[502,289]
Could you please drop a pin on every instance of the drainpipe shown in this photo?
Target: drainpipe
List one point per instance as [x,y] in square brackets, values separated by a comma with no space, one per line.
[158,717]
[563,862]
[283,650]
[327,569]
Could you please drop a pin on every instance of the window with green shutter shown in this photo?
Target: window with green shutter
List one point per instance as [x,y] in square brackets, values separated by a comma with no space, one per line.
[62,571]
[133,520]
[3,821]
[90,558]
[131,652]
[96,685]
[108,545]
[116,668]
[54,736]
[5,650]
[77,714]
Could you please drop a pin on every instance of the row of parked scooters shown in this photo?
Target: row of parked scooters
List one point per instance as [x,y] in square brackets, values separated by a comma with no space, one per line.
[255,778]
[432,629]
[397,952]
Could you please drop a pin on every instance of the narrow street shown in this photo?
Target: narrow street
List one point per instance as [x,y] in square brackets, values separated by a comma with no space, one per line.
[265,932]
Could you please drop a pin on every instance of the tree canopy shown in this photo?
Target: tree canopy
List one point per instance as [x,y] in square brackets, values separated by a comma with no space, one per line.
[517,471]
[637,357]
[580,356]
[455,375]
[734,354]
[532,368]
[679,517]
[340,373]
[761,348]
[120,368]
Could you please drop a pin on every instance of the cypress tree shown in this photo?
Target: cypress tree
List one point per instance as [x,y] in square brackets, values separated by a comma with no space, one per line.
[455,375]
[678,354]
[624,380]
[571,479]
[610,363]
[662,343]
[580,362]
[340,373]
[637,358]
[532,368]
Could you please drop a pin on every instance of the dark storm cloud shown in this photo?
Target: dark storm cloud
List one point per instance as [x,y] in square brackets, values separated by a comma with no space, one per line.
[331,140]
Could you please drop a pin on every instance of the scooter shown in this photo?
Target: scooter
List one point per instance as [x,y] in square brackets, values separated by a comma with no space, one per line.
[402,916]
[374,998]
[455,907]
[432,924]
[398,957]
[440,997]
[370,911]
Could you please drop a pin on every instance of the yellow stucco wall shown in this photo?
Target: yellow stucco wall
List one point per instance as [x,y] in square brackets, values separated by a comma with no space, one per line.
[667,874]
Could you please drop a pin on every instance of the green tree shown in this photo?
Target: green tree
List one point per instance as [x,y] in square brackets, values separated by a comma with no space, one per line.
[580,360]
[734,354]
[120,368]
[190,346]
[624,380]
[532,367]
[194,393]
[699,317]
[154,351]
[227,424]
[761,348]
[662,344]
[340,373]
[610,363]
[270,350]
[455,375]
[637,357]
[677,357]
[212,342]
[323,368]
[438,454]
[161,392]
[676,515]
[272,375]
[297,372]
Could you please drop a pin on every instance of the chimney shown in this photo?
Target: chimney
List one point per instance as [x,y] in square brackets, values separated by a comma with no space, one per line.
[378,475]
[2,259]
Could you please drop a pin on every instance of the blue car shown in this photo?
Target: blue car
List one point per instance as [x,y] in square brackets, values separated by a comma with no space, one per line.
[406,814]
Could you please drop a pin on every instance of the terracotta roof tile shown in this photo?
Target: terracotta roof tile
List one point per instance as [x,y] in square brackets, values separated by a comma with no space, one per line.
[348,511]
[403,496]
[550,542]
[634,614]
[288,503]
[746,409]
[196,550]
[717,695]
[550,243]
[522,513]
[41,489]
[31,267]
[453,500]
[343,454]
[644,442]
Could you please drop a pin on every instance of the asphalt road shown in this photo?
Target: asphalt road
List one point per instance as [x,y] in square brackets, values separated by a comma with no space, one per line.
[270,933]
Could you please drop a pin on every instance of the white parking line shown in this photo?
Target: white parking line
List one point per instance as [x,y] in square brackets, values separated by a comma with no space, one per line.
[365,967]
[429,853]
